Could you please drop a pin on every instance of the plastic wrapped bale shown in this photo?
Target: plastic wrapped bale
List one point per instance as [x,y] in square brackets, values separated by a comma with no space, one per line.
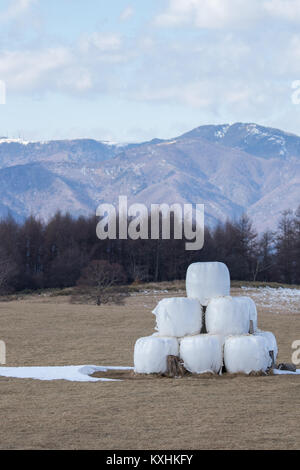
[229,315]
[246,354]
[178,316]
[205,281]
[252,311]
[202,353]
[271,343]
[150,354]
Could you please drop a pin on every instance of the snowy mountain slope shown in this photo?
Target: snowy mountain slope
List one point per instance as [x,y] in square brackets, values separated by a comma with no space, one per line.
[257,140]
[13,152]
[231,169]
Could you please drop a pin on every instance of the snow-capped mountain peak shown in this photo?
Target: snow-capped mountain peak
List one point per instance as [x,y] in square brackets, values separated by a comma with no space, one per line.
[231,168]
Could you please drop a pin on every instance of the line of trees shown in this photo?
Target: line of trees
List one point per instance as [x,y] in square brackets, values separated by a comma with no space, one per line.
[37,255]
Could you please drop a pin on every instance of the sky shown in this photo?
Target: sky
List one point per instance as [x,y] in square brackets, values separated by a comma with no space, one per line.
[132,70]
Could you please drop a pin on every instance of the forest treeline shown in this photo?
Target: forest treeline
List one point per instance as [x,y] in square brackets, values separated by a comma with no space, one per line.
[36,255]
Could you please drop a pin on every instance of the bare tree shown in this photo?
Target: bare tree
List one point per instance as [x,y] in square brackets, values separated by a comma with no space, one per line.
[264,259]
[100,283]
[297,245]
[285,246]
[7,270]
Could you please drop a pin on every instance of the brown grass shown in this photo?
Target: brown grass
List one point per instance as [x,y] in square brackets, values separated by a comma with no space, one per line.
[202,412]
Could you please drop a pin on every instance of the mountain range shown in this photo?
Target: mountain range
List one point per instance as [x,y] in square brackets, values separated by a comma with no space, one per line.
[232,169]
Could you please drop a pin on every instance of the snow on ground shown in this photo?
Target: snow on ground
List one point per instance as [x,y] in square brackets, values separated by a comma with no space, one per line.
[71,373]
[149,292]
[282,298]
[154,291]
[285,372]
[77,373]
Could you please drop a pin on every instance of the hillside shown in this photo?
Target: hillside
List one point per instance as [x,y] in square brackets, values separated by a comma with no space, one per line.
[230,168]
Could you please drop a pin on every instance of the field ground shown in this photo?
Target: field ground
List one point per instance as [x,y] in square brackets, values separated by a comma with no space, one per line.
[157,413]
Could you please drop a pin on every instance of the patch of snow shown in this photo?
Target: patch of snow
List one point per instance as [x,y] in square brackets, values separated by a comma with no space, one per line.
[70,373]
[220,134]
[270,297]
[5,140]
[252,129]
[285,372]
[113,144]
[170,142]
[77,373]
[136,168]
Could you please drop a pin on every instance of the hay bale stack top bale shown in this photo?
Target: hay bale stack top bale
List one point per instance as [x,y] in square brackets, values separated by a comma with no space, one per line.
[204,281]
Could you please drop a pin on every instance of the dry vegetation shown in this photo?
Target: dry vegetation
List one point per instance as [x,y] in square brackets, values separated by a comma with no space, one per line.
[228,412]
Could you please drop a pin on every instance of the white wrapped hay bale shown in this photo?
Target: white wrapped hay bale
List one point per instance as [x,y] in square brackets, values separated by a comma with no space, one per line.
[178,316]
[252,311]
[230,315]
[150,354]
[205,281]
[271,342]
[202,353]
[248,353]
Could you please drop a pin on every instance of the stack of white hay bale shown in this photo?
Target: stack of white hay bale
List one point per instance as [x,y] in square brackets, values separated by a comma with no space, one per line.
[207,330]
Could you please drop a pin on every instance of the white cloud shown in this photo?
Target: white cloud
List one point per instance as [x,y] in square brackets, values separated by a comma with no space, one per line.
[208,14]
[207,95]
[233,60]
[290,60]
[127,13]
[288,9]
[87,66]
[218,14]
[23,70]
[103,42]
[15,9]
[242,72]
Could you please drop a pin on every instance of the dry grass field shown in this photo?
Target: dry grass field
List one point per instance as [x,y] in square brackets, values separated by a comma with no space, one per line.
[225,412]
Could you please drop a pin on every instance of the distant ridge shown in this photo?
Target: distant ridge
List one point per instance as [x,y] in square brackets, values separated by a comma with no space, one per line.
[243,167]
